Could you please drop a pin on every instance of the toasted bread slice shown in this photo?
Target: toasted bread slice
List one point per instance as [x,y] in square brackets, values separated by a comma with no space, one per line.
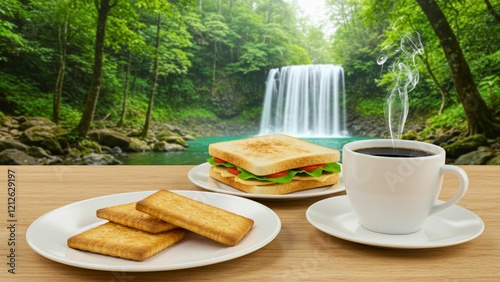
[127,215]
[261,187]
[121,241]
[268,154]
[212,222]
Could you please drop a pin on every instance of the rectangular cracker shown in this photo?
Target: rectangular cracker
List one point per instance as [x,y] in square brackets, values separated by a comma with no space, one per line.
[121,241]
[127,215]
[212,222]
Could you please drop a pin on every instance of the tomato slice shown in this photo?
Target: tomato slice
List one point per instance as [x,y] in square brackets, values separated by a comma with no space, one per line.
[311,168]
[220,161]
[277,174]
[233,170]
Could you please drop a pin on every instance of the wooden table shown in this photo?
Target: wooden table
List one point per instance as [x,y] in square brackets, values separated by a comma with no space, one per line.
[299,252]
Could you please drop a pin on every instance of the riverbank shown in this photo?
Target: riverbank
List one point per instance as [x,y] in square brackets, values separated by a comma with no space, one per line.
[197,152]
[38,141]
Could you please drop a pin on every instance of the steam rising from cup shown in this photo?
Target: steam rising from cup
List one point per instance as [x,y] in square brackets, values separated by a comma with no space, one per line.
[404,77]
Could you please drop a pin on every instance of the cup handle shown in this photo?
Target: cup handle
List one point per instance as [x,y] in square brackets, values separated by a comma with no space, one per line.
[464,184]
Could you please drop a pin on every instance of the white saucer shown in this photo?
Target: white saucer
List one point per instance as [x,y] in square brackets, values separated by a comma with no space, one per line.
[451,226]
[199,176]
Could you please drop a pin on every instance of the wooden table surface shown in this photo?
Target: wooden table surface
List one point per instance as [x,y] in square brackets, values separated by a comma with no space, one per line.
[299,252]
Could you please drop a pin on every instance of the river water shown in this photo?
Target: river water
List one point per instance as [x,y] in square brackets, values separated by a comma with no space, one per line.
[197,152]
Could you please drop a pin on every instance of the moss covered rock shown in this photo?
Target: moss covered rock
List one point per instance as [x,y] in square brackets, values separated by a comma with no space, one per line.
[110,138]
[137,145]
[36,121]
[12,144]
[175,140]
[163,146]
[44,136]
[479,157]
[465,145]
[494,161]
[16,157]
[410,135]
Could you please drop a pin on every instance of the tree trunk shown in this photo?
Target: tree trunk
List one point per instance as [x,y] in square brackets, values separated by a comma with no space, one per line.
[125,90]
[480,119]
[443,93]
[63,47]
[214,68]
[492,10]
[103,8]
[145,129]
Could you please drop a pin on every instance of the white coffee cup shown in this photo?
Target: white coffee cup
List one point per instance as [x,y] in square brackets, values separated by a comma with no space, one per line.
[395,195]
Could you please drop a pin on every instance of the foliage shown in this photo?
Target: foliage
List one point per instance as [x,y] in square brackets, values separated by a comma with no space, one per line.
[135,111]
[365,28]
[215,55]
[371,107]
[451,118]
[194,112]
[10,40]
[13,100]
[489,87]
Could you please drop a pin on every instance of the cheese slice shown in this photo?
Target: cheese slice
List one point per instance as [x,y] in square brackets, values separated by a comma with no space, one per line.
[224,173]
[254,182]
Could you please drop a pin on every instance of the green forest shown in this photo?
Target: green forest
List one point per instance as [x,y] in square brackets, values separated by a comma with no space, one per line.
[86,64]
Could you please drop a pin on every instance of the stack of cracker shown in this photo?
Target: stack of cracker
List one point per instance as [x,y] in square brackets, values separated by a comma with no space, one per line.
[140,230]
[217,224]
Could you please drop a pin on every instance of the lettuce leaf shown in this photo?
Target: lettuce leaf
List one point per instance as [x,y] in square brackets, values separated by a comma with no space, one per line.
[213,162]
[330,167]
[284,179]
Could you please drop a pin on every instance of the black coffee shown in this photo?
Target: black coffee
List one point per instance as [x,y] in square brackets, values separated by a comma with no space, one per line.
[394,152]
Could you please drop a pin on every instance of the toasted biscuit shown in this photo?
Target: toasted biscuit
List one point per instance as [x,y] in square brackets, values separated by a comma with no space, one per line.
[120,241]
[127,215]
[212,222]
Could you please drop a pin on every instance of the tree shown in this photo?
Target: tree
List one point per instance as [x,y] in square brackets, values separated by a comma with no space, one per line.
[134,43]
[492,11]
[216,32]
[355,47]
[145,128]
[103,9]
[480,118]
[68,20]
[125,89]
[170,39]
[10,40]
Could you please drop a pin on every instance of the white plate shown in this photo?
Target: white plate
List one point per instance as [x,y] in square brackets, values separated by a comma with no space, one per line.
[48,234]
[452,226]
[199,176]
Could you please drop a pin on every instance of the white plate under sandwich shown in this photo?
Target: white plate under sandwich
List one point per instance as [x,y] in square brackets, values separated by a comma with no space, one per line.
[48,234]
[200,176]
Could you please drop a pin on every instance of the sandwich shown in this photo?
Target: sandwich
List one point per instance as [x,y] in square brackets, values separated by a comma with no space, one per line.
[273,164]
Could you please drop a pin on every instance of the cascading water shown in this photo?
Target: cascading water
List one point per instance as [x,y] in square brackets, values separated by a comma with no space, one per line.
[305,101]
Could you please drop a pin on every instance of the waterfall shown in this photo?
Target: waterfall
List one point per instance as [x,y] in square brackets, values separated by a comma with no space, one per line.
[305,101]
